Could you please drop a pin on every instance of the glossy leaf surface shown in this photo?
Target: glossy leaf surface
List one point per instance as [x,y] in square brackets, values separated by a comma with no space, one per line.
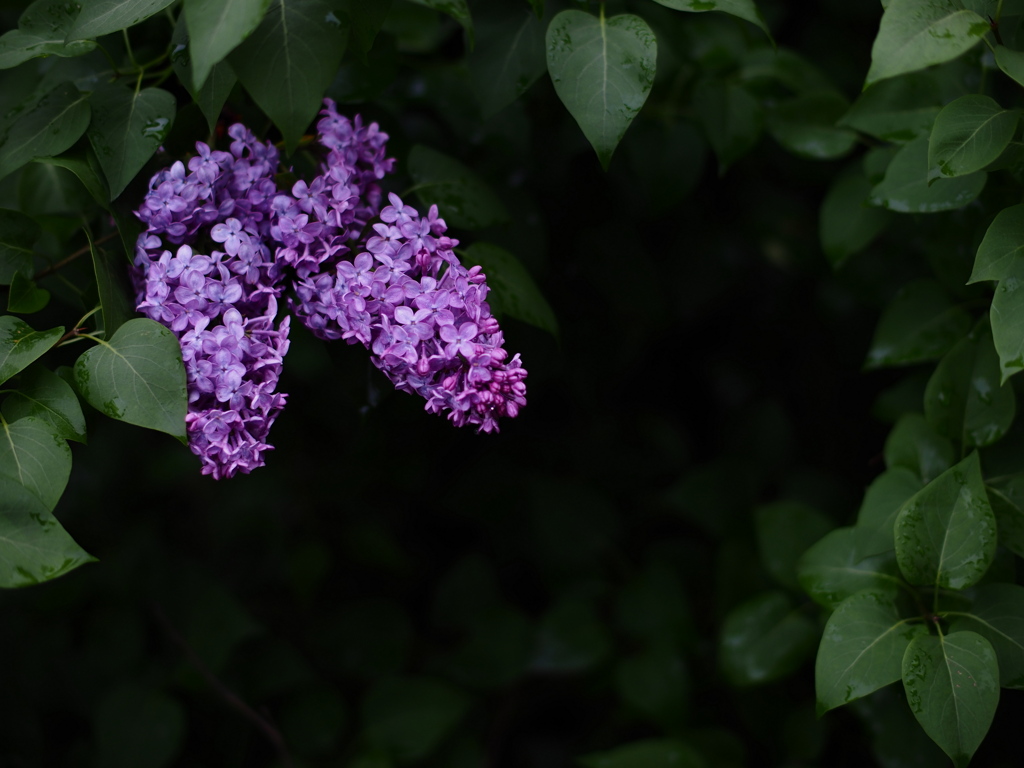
[965,399]
[968,134]
[41,31]
[44,395]
[32,454]
[915,34]
[1003,243]
[137,377]
[126,129]
[862,648]
[20,345]
[906,187]
[101,17]
[288,62]
[34,547]
[952,686]
[216,29]
[946,533]
[844,562]
[602,70]
[997,614]
[51,125]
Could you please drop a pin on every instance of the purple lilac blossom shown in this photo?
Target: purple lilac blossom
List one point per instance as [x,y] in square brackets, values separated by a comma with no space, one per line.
[402,292]
[204,269]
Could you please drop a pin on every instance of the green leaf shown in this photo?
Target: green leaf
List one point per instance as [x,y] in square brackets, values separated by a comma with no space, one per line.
[731,118]
[806,125]
[997,614]
[87,168]
[31,453]
[651,753]
[514,290]
[367,18]
[952,686]
[906,187]
[464,200]
[848,224]
[1007,499]
[946,533]
[919,324]
[784,531]
[764,639]
[915,34]
[741,9]
[913,443]
[897,110]
[110,269]
[34,547]
[20,345]
[861,648]
[288,62]
[127,128]
[137,376]
[889,490]
[969,134]
[24,297]
[844,562]
[964,399]
[1011,62]
[216,29]
[41,31]
[101,17]
[44,395]
[409,717]
[602,70]
[508,60]
[218,84]
[18,233]
[51,125]
[1002,243]
[457,9]
[138,726]
[1007,318]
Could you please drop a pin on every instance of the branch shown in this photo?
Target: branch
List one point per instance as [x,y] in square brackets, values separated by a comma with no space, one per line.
[230,697]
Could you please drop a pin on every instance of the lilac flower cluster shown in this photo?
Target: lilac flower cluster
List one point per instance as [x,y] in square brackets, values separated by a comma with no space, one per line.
[204,269]
[405,295]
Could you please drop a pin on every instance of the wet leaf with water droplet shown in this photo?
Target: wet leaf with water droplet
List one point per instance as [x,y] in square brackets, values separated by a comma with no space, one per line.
[997,614]
[1007,318]
[101,17]
[34,547]
[952,686]
[741,9]
[34,455]
[41,31]
[20,345]
[964,399]
[946,533]
[603,70]
[862,647]
[845,562]
[126,130]
[915,34]
[908,188]
[137,376]
[52,125]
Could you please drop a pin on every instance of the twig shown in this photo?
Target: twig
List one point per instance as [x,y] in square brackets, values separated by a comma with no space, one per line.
[80,252]
[229,696]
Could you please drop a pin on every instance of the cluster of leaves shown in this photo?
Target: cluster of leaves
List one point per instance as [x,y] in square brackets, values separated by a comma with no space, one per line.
[926,160]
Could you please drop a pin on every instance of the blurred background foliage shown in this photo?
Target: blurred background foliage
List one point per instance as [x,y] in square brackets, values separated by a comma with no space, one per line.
[389,591]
